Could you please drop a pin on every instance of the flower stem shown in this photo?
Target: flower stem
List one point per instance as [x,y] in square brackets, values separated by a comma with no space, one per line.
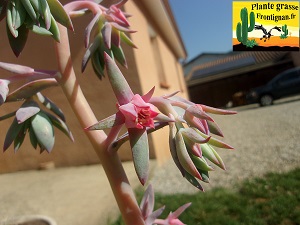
[109,159]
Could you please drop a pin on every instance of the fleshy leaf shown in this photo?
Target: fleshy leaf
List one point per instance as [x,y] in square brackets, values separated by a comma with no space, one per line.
[195,111]
[127,40]
[201,163]
[109,122]
[147,203]
[214,128]
[89,52]
[89,28]
[106,33]
[98,64]
[50,105]
[3,6]
[119,55]
[151,218]
[184,158]
[209,153]
[215,142]
[17,44]
[15,68]
[60,124]
[140,152]
[204,175]
[20,137]
[119,84]
[30,89]
[172,144]
[193,181]
[59,13]
[193,135]
[216,111]
[43,130]
[27,110]
[33,139]
[12,133]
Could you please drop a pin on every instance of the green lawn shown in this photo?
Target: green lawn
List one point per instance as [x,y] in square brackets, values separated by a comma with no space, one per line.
[273,200]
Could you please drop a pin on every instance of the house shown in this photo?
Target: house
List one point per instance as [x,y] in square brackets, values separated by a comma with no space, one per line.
[220,78]
[154,63]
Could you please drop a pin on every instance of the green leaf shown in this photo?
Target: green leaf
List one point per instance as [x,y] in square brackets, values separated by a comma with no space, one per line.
[3,6]
[50,105]
[119,84]
[140,152]
[59,13]
[119,55]
[193,181]
[61,125]
[109,122]
[90,52]
[33,139]
[20,137]
[184,158]
[17,44]
[30,10]
[201,163]
[127,40]
[54,29]
[12,133]
[43,130]
[97,65]
[41,29]
[9,20]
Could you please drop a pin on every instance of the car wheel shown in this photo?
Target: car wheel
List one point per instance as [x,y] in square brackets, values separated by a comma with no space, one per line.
[266,100]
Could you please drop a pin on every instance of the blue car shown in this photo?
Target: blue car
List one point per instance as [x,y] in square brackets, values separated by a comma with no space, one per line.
[284,84]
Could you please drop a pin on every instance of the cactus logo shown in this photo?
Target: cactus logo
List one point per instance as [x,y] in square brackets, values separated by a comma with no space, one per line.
[265,26]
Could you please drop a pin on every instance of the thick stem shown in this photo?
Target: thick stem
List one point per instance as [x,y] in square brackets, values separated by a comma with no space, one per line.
[109,159]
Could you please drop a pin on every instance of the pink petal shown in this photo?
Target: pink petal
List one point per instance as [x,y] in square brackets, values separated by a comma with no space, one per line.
[138,101]
[179,211]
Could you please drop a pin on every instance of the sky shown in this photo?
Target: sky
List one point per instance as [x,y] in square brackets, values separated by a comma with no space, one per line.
[205,26]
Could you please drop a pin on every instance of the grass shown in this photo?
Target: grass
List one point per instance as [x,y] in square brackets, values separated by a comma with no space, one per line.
[272,200]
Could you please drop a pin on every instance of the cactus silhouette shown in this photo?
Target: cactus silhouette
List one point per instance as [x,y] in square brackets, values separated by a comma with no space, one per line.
[242,29]
[285,31]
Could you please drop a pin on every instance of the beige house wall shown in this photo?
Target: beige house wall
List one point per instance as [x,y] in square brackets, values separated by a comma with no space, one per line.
[141,74]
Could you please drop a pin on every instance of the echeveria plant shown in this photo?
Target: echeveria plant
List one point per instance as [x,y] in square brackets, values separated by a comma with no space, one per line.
[190,125]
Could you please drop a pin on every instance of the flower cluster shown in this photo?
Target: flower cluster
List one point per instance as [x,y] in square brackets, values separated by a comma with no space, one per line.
[111,24]
[190,139]
[151,217]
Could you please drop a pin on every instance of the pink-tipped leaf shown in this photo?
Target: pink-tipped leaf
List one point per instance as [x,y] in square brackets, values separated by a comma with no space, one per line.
[184,158]
[118,82]
[30,89]
[27,110]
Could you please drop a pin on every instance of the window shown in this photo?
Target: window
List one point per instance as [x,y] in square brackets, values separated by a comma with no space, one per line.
[158,59]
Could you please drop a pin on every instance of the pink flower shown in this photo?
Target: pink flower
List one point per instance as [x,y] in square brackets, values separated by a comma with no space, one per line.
[138,113]
[172,219]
